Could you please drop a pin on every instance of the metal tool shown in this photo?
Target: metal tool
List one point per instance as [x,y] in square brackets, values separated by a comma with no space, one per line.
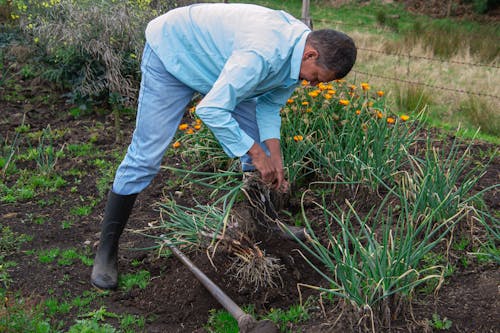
[246,323]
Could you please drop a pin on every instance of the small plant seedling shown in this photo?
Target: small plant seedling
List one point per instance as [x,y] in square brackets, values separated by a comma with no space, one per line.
[440,324]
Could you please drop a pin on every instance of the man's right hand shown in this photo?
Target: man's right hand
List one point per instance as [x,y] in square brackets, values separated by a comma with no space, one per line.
[263,164]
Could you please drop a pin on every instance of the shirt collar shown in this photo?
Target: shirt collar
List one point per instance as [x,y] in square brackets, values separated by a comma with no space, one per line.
[297,53]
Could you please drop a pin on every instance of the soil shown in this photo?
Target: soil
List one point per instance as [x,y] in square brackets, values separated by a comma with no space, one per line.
[174,301]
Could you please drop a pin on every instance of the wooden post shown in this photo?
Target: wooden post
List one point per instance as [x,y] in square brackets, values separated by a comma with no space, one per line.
[306,18]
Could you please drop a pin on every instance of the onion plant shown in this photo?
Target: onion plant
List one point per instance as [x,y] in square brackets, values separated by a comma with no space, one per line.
[442,182]
[328,129]
[372,260]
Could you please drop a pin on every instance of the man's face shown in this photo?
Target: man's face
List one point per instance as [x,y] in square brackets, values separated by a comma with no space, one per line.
[311,71]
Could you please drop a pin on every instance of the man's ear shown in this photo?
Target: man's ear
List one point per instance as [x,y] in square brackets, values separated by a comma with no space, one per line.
[310,53]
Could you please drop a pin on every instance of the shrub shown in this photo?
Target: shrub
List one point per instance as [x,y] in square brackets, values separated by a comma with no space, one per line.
[92,47]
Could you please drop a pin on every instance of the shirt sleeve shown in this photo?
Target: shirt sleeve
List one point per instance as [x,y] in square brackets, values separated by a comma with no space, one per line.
[268,112]
[242,72]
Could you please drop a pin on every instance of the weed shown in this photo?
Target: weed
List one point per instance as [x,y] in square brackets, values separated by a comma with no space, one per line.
[89,325]
[5,266]
[48,256]
[81,210]
[286,318]
[52,306]
[27,71]
[130,323]
[66,224]
[221,321]
[461,244]
[440,324]
[67,257]
[139,279]
[10,241]
[22,316]
[82,149]
[100,314]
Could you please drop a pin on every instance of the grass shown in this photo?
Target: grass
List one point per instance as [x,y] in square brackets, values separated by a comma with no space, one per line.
[139,279]
[221,321]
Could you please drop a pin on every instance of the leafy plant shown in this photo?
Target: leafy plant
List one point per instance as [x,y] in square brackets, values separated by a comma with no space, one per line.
[286,318]
[11,241]
[48,256]
[221,321]
[139,279]
[440,324]
[91,326]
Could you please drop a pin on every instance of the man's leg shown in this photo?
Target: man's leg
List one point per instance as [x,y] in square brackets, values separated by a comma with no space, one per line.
[162,102]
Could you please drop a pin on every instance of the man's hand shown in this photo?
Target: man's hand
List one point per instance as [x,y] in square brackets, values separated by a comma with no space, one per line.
[270,167]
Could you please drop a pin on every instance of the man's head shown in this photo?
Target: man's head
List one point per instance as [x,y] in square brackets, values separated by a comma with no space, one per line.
[328,55]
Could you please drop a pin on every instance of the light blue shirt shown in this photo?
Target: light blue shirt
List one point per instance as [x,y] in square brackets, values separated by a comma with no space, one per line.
[231,53]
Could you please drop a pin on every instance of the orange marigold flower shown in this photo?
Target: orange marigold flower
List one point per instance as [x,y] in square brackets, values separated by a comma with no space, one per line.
[365,86]
[358,112]
[322,86]
[328,96]
[352,87]
[189,131]
[404,117]
[380,93]
[290,101]
[183,127]
[314,93]
[192,109]
[370,103]
[305,103]
[379,115]
[331,91]
[197,127]
[344,102]
[198,121]
[309,110]
[176,144]
[298,138]
[304,82]
[391,120]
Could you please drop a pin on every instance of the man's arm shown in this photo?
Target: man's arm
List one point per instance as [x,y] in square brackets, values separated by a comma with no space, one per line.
[241,74]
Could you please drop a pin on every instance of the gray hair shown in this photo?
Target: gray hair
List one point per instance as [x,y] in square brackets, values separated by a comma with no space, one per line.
[337,51]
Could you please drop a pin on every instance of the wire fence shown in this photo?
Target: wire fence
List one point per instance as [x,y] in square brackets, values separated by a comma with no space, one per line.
[461,91]
[428,58]
[411,56]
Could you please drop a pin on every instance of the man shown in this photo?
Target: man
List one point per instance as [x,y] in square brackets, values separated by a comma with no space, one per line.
[246,60]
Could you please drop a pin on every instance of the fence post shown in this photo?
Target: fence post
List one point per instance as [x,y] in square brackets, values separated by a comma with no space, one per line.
[306,18]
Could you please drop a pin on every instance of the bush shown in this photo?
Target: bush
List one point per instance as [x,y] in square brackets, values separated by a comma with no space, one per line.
[92,47]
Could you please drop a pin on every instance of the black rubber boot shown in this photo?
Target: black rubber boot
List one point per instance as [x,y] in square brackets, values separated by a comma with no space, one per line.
[105,270]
